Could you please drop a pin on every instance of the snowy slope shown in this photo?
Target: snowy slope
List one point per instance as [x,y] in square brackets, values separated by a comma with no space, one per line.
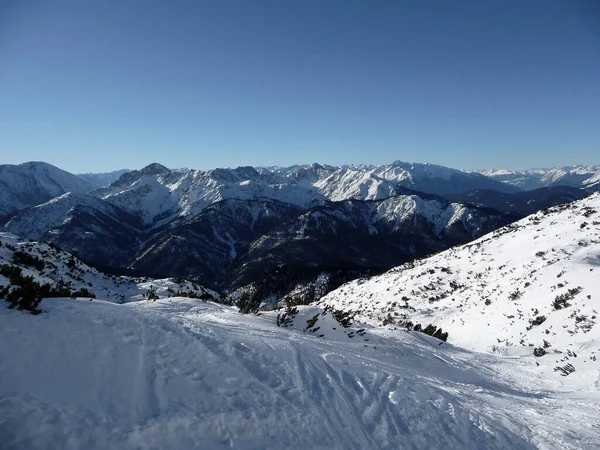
[574,176]
[59,266]
[569,176]
[593,182]
[439,180]
[178,374]
[533,283]
[32,183]
[32,223]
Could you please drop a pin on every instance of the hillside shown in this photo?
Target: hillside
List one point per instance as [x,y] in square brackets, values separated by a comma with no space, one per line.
[532,284]
[32,183]
[93,229]
[50,266]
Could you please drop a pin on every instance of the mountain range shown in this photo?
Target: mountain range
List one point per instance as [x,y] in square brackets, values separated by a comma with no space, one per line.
[586,177]
[230,228]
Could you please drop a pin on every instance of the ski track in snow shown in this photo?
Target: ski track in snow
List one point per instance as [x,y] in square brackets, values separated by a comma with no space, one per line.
[180,373]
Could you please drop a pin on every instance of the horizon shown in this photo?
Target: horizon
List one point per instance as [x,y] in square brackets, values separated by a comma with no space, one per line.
[472,85]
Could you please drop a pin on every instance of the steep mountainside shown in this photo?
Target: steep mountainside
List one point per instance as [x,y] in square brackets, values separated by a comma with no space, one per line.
[33,222]
[573,176]
[46,264]
[439,180]
[524,203]
[593,183]
[533,283]
[159,194]
[32,183]
[239,241]
[95,230]
[208,245]
[569,176]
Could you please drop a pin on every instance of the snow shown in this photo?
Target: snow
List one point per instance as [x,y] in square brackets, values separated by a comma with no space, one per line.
[593,181]
[181,373]
[57,267]
[488,294]
[32,183]
[160,195]
[577,176]
[32,223]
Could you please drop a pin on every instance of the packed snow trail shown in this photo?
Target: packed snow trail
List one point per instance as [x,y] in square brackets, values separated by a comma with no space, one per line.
[184,374]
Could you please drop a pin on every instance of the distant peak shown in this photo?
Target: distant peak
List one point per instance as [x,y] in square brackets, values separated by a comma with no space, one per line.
[154,169]
[37,165]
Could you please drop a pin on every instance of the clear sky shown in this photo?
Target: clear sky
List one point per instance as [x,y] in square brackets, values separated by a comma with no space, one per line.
[97,85]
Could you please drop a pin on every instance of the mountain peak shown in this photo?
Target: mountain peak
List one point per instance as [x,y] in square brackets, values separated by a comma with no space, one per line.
[154,169]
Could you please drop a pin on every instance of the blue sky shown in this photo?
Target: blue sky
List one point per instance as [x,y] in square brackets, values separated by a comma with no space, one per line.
[99,85]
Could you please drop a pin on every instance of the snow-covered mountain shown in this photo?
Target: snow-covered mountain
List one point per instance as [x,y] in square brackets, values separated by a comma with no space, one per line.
[159,194]
[573,176]
[239,241]
[97,231]
[103,178]
[47,264]
[229,228]
[34,222]
[576,176]
[32,183]
[593,183]
[530,285]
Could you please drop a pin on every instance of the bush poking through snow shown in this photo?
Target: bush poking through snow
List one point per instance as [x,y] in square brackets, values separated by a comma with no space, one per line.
[565,370]
[430,330]
[536,321]
[83,292]
[388,320]
[21,258]
[562,301]
[311,322]
[515,295]
[24,293]
[248,304]
[287,318]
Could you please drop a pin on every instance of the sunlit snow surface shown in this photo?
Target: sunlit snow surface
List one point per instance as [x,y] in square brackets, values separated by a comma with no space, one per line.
[181,373]
[498,292]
